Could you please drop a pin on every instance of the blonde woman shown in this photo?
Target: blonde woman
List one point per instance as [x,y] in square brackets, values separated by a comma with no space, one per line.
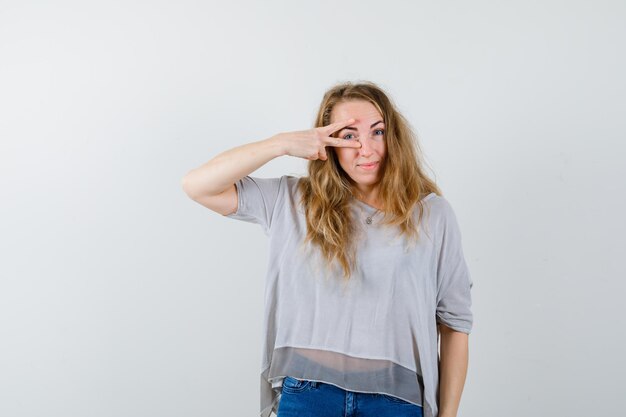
[366,273]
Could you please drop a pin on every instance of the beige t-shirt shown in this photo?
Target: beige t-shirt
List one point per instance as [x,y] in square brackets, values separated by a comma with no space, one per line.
[376,332]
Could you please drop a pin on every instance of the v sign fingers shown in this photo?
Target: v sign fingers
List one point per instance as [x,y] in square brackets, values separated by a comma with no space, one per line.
[338,142]
[333,127]
[310,144]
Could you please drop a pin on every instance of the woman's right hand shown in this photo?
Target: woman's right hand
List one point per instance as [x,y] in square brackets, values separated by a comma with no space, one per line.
[311,144]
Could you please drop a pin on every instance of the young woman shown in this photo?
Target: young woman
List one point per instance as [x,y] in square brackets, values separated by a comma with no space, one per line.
[366,268]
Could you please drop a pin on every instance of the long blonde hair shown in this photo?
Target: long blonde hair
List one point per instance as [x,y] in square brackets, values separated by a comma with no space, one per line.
[328,189]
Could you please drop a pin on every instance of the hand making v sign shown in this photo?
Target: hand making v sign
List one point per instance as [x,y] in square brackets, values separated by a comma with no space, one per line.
[311,144]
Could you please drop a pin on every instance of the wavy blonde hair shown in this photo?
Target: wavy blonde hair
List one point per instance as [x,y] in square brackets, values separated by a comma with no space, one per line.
[328,189]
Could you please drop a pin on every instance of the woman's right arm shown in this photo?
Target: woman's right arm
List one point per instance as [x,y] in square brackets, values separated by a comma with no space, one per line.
[213,183]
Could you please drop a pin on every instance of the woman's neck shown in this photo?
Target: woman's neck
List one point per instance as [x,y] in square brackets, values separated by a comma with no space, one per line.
[369,197]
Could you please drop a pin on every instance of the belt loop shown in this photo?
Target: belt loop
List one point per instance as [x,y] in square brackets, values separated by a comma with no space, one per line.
[314,384]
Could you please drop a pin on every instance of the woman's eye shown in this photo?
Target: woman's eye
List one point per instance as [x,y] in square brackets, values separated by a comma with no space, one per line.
[382,132]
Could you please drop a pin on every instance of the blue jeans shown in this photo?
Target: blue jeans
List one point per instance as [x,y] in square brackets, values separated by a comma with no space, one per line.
[303,398]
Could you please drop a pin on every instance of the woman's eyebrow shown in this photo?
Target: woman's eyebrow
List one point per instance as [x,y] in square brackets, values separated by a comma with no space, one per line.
[354,128]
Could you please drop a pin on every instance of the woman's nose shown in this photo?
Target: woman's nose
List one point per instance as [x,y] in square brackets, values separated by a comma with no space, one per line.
[366,148]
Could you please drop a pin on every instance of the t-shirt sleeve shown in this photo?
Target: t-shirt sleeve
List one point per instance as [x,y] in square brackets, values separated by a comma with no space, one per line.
[256,200]
[454,282]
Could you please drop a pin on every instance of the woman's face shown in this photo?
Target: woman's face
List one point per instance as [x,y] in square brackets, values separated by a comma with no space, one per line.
[367,129]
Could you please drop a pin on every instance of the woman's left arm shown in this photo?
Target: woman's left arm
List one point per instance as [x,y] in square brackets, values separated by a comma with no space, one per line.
[453,369]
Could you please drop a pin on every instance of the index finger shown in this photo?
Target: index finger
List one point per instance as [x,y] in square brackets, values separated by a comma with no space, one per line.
[333,127]
[341,143]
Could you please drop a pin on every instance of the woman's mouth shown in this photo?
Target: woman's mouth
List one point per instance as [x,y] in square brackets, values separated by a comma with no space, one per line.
[369,167]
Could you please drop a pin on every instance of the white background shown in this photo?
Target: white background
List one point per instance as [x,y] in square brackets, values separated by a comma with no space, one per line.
[121,297]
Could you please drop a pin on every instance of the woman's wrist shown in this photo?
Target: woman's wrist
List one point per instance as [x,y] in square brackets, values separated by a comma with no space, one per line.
[278,142]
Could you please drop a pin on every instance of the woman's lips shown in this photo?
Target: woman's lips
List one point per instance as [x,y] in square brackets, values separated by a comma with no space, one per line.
[369,166]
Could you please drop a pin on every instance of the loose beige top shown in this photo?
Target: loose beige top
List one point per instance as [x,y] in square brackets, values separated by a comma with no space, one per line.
[376,332]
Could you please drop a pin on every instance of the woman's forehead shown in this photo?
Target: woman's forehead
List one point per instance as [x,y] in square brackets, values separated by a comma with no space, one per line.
[363,111]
